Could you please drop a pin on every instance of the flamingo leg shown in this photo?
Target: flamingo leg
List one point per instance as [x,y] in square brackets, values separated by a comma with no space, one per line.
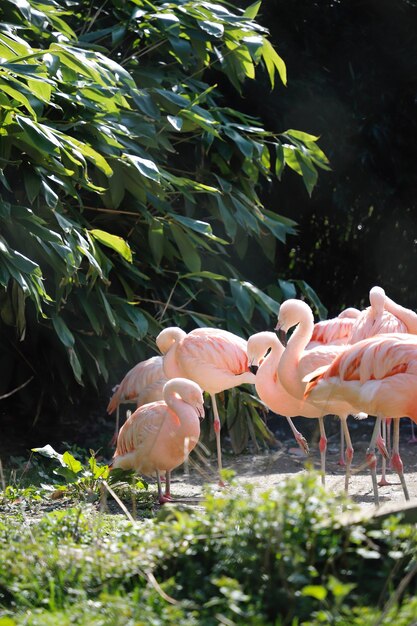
[386,435]
[163,498]
[397,464]
[349,450]
[217,428]
[342,460]
[323,448]
[300,439]
[413,438]
[371,458]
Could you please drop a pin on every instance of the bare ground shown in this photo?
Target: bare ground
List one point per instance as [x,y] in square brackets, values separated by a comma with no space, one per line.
[269,468]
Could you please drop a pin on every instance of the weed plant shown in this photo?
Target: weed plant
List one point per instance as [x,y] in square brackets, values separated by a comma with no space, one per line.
[282,557]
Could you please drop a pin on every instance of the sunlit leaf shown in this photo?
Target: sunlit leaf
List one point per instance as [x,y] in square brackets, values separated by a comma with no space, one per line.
[113,241]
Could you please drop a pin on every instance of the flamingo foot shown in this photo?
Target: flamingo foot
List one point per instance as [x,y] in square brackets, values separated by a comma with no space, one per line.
[397,466]
[164,499]
[412,440]
[380,443]
[383,482]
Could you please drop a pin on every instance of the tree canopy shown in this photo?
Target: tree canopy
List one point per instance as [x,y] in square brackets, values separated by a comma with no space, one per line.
[129,184]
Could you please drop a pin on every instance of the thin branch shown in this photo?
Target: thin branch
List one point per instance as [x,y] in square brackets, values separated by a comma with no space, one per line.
[10,393]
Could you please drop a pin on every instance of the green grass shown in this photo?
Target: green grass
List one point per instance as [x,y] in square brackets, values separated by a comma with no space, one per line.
[277,558]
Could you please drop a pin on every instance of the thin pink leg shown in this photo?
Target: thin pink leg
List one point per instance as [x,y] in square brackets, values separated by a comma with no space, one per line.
[342,460]
[348,452]
[371,458]
[300,439]
[217,428]
[386,435]
[323,448]
[413,438]
[396,462]
[162,499]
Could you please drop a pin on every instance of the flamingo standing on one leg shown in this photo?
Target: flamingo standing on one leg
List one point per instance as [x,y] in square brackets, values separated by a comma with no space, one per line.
[142,384]
[296,362]
[158,436]
[378,376]
[215,359]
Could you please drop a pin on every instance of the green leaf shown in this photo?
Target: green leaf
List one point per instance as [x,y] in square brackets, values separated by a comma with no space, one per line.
[242,299]
[273,62]
[63,332]
[113,241]
[71,462]
[146,167]
[314,591]
[156,240]
[187,249]
[252,10]
[216,29]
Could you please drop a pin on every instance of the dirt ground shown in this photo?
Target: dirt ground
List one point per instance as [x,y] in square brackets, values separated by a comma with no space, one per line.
[269,468]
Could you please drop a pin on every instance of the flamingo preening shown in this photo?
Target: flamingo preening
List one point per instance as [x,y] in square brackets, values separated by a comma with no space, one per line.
[158,436]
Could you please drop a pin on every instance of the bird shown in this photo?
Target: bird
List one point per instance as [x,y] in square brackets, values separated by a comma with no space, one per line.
[264,352]
[142,384]
[215,359]
[335,330]
[159,436]
[377,375]
[382,316]
[296,362]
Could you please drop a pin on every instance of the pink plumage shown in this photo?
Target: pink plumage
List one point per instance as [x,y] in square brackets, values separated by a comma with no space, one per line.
[377,375]
[159,436]
[142,384]
[215,359]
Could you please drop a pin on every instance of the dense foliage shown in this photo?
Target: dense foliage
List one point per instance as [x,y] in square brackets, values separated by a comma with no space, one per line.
[279,557]
[128,185]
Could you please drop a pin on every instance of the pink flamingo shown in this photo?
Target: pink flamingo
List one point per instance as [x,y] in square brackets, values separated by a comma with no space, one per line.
[142,384]
[409,318]
[215,359]
[378,376]
[296,362]
[159,436]
[383,316]
[335,330]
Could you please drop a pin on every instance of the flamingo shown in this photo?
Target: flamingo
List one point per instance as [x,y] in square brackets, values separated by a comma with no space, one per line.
[215,359]
[377,375]
[296,362]
[142,384]
[383,316]
[268,385]
[335,330]
[158,436]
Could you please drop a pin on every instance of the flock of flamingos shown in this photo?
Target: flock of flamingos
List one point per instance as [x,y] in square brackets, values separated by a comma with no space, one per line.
[361,363]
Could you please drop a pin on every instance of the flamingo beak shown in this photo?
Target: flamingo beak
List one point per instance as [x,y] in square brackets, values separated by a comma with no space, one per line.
[281,334]
[200,411]
[253,368]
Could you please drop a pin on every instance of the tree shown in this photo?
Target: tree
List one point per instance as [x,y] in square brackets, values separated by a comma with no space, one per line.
[129,188]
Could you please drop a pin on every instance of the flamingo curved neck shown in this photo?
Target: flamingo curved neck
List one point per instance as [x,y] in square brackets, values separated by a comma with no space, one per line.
[407,316]
[288,369]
